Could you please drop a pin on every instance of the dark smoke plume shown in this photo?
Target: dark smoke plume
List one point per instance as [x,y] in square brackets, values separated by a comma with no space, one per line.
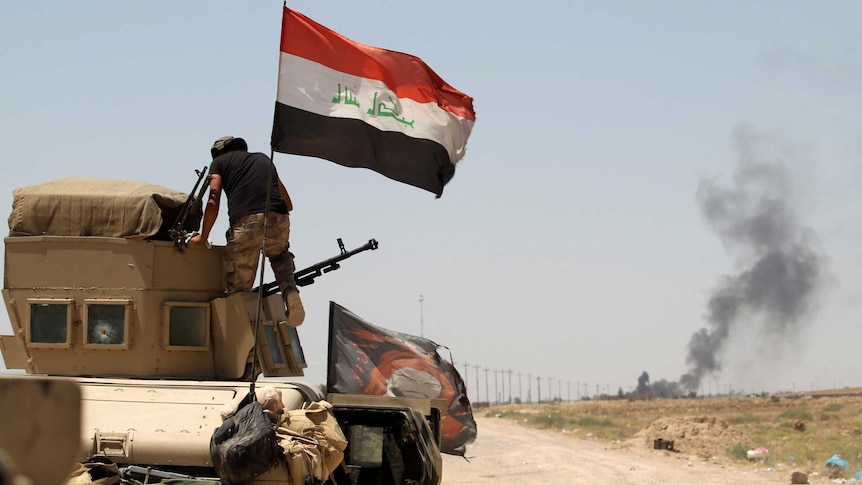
[643,384]
[780,270]
[661,388]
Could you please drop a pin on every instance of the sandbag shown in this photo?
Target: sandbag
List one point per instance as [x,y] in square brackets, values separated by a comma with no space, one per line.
[305,463]
[244,446]
[313,443]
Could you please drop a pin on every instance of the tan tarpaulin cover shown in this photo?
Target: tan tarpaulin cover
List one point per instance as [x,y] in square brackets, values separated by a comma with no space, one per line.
[76,206]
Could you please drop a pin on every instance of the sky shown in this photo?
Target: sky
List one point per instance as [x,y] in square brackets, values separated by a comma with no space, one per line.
[578,241]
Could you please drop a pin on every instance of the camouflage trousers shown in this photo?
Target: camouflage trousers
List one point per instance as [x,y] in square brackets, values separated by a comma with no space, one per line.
[242,252]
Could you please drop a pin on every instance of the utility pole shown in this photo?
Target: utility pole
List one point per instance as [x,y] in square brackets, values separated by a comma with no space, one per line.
[559,393]
[496,387]
[466,369]
[539,389]
[529,388]
[520,394]
[550,393]
[421,317]
[487,396]
[476,367]
[510,385]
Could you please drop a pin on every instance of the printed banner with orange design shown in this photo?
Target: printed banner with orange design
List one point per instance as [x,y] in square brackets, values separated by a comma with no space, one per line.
[366,359]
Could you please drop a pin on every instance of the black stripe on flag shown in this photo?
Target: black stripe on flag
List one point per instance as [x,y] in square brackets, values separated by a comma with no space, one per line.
[418,162]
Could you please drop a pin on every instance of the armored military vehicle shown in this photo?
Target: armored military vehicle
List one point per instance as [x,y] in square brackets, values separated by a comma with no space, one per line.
[100,288]
[41,418]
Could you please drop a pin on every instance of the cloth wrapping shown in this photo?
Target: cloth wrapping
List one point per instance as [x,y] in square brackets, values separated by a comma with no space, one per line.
[268,397]
[76,206]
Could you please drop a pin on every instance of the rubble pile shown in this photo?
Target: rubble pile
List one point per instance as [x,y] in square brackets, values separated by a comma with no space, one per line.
[703,436]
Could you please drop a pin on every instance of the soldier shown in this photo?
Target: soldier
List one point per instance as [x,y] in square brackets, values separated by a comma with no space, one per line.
[243,177]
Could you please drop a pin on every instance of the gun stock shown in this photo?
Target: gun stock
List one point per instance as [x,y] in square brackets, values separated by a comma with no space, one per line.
[192,205]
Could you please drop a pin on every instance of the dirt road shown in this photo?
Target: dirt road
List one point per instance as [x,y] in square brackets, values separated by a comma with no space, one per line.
[507,453]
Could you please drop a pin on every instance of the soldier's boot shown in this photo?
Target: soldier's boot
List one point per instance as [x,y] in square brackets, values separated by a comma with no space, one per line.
[295,311]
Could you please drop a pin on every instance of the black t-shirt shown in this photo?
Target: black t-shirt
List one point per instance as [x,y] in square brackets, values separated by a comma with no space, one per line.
[244,178]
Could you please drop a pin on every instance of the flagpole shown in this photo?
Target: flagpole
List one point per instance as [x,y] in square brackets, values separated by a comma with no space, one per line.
[266,209]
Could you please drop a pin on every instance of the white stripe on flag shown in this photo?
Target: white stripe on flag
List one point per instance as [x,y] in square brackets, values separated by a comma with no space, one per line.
[315,88]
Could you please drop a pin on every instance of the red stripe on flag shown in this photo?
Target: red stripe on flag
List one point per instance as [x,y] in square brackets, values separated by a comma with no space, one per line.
[408,76]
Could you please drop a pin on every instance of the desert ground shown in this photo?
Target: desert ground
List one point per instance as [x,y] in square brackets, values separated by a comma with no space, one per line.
[505,452]
[510,448]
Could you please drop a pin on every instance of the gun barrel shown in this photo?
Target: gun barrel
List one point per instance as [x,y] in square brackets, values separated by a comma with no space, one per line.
[306,276]
[177,231]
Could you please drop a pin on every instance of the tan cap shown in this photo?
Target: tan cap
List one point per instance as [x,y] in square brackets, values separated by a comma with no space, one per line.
[222,143]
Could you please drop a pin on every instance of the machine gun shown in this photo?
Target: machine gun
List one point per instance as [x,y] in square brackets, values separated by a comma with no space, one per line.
[191,208]
[305,277]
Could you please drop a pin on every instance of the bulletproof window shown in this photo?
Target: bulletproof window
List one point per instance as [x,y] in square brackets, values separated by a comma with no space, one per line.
[366,448]
[282,339]
[106,324]
[280,348]
[188,326]
[49,323]
[296,347]
[384,446]
[272,348]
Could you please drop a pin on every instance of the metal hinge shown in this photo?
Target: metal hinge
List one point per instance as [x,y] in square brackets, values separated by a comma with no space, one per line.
[114,445]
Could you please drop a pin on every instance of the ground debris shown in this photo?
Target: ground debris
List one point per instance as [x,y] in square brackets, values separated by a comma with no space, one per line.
[798,478]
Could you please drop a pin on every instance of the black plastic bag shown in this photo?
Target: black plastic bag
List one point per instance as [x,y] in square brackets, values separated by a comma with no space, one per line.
[244,446]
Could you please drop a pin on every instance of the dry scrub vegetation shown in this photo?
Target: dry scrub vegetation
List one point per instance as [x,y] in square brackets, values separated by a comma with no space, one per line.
[801,431]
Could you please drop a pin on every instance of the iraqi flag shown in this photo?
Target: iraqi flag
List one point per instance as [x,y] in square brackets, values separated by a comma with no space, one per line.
[363,106]
[366,359]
